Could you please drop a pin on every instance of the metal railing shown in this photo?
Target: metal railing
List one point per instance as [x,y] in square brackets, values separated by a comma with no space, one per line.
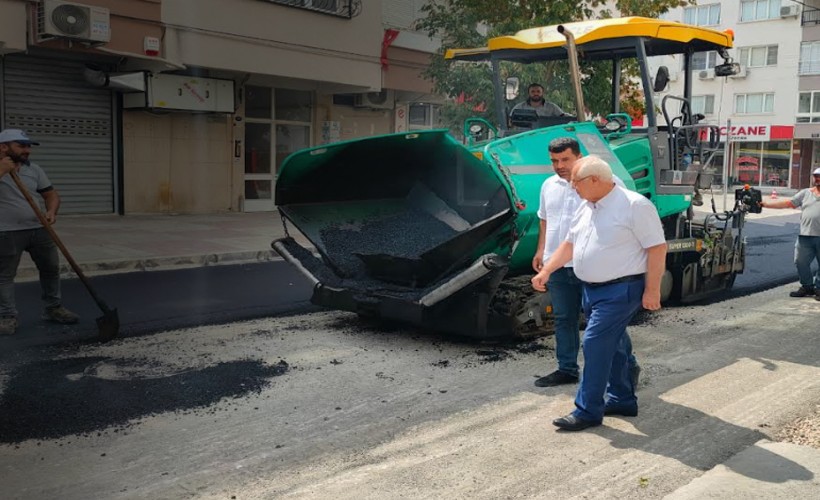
[811,17]
[347,9]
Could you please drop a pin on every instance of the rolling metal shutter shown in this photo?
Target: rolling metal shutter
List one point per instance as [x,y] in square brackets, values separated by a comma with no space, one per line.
[72,121]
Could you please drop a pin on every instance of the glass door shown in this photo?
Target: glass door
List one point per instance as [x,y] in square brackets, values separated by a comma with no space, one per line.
[277,123]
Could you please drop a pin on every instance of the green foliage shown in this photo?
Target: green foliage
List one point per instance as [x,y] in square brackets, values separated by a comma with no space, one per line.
[470,23]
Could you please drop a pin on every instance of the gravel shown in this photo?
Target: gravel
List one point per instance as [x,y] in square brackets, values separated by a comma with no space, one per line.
[803,431]
[405,235]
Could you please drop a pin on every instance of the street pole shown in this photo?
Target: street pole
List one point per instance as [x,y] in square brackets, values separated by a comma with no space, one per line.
[727,150]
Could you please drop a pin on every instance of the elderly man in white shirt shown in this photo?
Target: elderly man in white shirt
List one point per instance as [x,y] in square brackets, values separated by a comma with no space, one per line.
[557,207]
[617,245]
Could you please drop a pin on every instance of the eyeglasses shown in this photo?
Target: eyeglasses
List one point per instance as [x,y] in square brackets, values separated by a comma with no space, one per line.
[575,182]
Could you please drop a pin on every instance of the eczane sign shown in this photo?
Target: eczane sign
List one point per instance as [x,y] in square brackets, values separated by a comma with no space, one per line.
[748,133]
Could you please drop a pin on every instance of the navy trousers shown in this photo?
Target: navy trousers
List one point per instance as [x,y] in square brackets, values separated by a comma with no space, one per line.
[565,291]
[607,348]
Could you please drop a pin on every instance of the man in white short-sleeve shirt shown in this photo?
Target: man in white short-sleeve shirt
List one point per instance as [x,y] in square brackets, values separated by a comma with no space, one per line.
[557,207]
[618,249]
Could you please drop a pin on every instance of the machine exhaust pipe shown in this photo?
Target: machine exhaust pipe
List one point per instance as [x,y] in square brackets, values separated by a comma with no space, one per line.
[575,73]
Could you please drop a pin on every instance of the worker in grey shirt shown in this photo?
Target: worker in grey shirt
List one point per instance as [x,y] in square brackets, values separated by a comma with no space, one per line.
[536,101]
[807,248]
[21,231]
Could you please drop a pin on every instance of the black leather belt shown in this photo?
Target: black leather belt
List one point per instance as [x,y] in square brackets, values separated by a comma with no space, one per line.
[622,279]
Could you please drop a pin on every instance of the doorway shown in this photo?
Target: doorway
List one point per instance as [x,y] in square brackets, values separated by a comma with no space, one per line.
[277,123]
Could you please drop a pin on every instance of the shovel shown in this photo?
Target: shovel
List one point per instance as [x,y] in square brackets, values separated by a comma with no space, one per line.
[108,324]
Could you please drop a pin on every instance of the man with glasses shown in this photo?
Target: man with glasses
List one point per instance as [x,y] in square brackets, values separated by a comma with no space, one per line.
[557,207]
[807,248]
[618,249]
[20,230]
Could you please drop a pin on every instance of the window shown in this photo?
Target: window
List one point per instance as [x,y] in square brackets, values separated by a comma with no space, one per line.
[759,10]
[423,116]
[704,60]
[702,15]
[808,107]
[277,123]
[341,8]
[758,57]
[703,104]
[809,58]
[754,103]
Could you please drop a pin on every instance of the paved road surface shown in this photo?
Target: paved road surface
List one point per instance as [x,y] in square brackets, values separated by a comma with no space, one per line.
[316,406]
[160,300]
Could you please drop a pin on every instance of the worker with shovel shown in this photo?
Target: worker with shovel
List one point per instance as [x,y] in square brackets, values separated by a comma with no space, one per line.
[21,230]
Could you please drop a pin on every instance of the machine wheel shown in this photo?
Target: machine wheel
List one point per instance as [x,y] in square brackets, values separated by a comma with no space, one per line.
[730,281]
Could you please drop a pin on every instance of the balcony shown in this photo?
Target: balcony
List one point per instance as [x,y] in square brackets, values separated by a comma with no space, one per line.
[339,8]
[811,17]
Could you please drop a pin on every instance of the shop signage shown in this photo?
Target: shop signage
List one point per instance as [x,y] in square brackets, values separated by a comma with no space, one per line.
[748,133]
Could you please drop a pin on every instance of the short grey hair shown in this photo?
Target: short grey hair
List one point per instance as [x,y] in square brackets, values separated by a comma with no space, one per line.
[594,165]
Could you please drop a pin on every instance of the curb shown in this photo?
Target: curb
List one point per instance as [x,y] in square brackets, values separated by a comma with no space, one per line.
[29,273]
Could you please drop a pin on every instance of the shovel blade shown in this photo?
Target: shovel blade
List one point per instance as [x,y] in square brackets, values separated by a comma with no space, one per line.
[108,325]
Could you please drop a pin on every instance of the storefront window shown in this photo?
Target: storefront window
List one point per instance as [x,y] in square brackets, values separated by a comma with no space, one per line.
[760,163]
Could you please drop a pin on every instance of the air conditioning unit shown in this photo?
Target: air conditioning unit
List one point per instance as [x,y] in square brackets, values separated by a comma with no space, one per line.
[789,10]
[741,74]
[706,74]
[376,100]
[74,21]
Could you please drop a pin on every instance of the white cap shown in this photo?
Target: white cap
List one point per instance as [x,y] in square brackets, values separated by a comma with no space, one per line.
[15,135]
[816,171]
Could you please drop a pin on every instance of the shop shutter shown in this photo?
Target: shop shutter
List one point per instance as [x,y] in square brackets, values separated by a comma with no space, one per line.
[73,122]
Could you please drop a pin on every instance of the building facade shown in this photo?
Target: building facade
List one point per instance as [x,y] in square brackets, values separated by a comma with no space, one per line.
[761,102]
[807,128]
[152,106]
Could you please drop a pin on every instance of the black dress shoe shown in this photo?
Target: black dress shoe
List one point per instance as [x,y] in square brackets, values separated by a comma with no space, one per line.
[573,423]
[556,378]
[803,291]
[624,411]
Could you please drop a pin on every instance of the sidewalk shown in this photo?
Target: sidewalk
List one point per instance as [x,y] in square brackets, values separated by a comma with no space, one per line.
[106,244]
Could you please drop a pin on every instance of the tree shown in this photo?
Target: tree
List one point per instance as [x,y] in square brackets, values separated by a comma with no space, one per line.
[470,23]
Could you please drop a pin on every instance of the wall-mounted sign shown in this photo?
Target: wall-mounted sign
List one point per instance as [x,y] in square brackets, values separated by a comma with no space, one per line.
[748,133]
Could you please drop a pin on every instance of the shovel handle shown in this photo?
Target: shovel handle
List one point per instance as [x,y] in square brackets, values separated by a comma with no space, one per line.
[47,226]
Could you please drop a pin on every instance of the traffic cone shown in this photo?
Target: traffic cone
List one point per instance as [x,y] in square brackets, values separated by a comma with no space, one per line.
[774,194]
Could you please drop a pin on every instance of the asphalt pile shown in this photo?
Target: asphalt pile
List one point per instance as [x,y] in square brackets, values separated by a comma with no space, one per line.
[405,235]
[56,398]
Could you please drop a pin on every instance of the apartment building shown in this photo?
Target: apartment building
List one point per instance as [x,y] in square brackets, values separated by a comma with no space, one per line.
[807,128]
[191,106]
[762,100]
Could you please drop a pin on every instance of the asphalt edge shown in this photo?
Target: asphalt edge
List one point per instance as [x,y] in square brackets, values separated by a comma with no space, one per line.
[29,272]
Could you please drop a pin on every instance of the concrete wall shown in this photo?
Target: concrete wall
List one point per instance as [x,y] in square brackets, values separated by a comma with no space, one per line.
[12,26]
[177,162]
[272,39]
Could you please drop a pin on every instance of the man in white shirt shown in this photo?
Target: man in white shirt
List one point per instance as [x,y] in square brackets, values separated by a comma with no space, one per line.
[618,249]
[558,205]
